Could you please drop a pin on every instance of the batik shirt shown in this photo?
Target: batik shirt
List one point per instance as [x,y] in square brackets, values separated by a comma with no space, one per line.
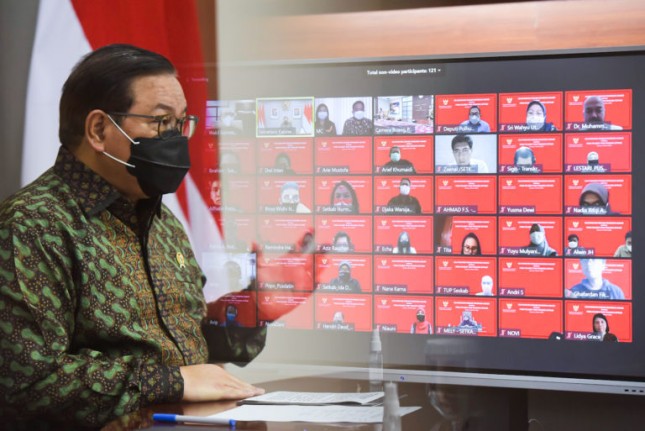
[100,300]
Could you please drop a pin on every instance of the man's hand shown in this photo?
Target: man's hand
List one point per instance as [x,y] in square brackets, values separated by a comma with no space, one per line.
[208,382]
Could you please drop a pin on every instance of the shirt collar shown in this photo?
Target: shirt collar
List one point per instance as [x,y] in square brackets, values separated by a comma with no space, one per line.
[94,194]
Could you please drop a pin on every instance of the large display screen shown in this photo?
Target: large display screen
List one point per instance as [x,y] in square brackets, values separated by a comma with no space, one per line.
[490,200]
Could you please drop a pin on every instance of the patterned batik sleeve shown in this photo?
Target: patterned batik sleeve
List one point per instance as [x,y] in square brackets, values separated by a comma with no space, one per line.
[42,374]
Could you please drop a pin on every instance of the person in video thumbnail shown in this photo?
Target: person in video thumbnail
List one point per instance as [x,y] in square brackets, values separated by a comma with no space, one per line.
[474,123]
[358,125]
[215,192]
[443,231]
[536,118]
[344,195]
[290,197]
[397,164]
[324,126]
[593,111]
[601,328]
[342,243]
[403,245]
[421,325]
[625,250]
[593,159]
[537,236]
[339,317]
[594,286]
[231,316]
[470,245]
[594,199]
[226,127]
[524,157]
[462,150]
[573,243]
[404,200]
[467,320]
[283,164]
[229,162]
[487,286]
[344,282]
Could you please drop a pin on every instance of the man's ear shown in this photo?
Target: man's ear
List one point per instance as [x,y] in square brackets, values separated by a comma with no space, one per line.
[95,124]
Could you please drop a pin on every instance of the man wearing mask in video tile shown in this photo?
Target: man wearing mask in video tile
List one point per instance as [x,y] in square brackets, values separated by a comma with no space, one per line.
[358,125]
[397,165]
[625,250]
[474,123]
[594,200]
[403,201]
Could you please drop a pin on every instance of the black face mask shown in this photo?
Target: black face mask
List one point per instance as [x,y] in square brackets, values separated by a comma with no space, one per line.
[159,164]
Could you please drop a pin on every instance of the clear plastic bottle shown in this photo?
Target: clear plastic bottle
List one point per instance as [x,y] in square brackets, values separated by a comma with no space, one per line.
[376,362]
[391,408]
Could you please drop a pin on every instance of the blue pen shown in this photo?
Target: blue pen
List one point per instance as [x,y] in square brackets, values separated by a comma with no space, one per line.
[166,417]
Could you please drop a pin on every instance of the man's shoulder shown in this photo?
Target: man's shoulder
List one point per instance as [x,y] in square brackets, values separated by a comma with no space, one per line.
[40,199]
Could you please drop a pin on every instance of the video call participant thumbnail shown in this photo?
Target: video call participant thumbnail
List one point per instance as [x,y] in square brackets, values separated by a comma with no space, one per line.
[394,274]
[343,234]
[530,236]
[458,194]
[343,195]
[285,271]
[608,152]
[236,157]
[466,113]
[595,195]
[231,194]
[343,273]
[283,233]
[538,277]
[404,202]
[358,124]
[324,126]
[402,234]
[467,316]
[402,195]
[403,115]
[599,110]
[598,236]
[285,117]
[404,314]
[596,321]
[397,155]
[287,156]
[285,310]
[529,318]
[290,199]
[239,233]
[397,165]
[341,155]
[594,285]
[531,112]
[530,153]
[465,154]
[465,275]
[230,118]
[465,235]
[344,312]
[530,194]
[625,250]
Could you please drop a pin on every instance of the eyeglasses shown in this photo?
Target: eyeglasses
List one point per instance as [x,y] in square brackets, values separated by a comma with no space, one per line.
[185,125]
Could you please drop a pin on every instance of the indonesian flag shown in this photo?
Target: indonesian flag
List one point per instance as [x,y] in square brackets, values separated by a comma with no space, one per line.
[67,30]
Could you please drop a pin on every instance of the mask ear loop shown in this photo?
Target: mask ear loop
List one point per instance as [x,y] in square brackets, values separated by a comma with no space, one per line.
[129,165]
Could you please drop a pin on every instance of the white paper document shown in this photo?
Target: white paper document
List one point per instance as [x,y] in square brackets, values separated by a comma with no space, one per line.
[315,398]
[317,414]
